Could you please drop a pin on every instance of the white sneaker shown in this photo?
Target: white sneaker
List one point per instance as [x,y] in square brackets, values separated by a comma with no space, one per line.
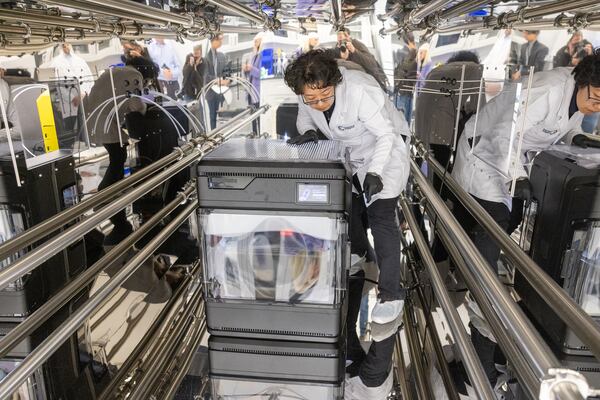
[384,313]
[355,389]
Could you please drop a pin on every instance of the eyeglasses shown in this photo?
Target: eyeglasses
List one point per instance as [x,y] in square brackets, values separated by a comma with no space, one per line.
[323,100]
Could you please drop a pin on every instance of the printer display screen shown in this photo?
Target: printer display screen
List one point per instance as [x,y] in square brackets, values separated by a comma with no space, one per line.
[313,193]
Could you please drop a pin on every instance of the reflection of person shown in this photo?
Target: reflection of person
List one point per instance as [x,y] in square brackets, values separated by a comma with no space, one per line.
[557,102]
[424,65]
[132,78]
[354,50]
[533,54]
[503,54]
[405,75]
[349,106]
[9,108]
[215,64]
[193,74]
[164,55]
[252,73]
[311,43]
[575,49]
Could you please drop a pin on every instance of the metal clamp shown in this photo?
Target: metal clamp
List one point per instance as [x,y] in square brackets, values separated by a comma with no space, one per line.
[58,34]
[96,23]
[181,153]
[521,12]
[558,376]
[27,34]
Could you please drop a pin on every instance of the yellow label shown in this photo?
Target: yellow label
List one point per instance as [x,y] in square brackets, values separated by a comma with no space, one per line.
[44,106]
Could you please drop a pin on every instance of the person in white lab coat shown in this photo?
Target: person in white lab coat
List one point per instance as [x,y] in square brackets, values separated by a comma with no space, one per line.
[350,106]
[487,159]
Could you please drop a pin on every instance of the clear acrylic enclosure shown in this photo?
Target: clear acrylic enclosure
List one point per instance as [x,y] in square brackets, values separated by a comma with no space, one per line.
[581,267]
[229,389]
[281,258]
[50,121]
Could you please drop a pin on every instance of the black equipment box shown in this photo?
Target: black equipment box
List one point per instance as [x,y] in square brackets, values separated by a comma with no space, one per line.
[274,223]
[278,360]
[564,232]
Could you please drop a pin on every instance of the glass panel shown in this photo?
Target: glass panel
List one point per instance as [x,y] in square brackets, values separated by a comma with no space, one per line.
[50,120]
[229,389]
[581,268]
[292,259]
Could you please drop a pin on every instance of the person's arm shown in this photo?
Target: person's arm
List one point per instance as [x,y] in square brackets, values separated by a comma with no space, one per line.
[373,116]
[540,60]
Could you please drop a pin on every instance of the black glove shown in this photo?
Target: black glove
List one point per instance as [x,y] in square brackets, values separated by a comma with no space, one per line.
[371,186]
[309,136]
[523,190]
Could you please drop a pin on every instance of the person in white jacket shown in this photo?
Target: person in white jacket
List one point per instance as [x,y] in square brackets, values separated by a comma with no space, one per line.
[350,106]
[488,160]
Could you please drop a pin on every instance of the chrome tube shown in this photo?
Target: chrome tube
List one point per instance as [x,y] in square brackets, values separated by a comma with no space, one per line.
[401,368]
[41,353]
[586,329]
[56,302]
[531,344]
[528,379]
[238,9]
[418,14]
[160,324]
[50,225]
[107,11]
[414,347]
[477,376]
[37,256]
[337,13]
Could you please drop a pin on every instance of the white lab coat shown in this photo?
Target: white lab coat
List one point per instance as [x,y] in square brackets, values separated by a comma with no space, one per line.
[545,123]
[71,66]
[366,121]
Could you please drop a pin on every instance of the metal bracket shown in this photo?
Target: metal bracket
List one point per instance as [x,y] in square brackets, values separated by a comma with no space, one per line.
[27,35]
[557,376]
[96,24]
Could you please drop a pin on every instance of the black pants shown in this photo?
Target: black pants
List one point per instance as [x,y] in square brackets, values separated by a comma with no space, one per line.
[385,228]
[214,101]
[485,348]
[117,155]
[170,88]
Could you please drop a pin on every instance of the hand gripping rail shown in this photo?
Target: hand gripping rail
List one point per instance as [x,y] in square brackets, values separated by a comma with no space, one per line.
[539,357]
[570,312]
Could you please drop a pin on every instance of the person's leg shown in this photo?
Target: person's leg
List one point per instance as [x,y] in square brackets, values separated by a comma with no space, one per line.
[516,215]
[375,369]
[117,155]
[385,228]
[213,107]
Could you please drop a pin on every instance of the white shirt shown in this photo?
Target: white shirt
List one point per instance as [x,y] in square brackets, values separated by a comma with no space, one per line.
[165,55]
[73,66]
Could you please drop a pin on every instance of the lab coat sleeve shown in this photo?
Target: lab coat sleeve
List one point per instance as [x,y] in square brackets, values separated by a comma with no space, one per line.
[304,122]
[374,118]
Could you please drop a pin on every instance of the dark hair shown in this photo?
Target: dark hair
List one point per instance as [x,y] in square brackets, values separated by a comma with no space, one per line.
[344,29]
[587,72]
[535,32]
[315,68]
[146,67]
[464,56]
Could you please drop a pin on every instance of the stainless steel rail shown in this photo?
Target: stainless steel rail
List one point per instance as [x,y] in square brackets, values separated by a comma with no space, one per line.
[56,302]
[41,353]
[586,329]
[421,373]
[161,323]
[477,376]
[43,229]
[535,350]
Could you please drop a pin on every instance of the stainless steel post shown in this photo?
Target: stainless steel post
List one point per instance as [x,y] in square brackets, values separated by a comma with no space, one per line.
[417,15]
[414,348]
[477,376]
[401,368]
[41,353]
[586,329]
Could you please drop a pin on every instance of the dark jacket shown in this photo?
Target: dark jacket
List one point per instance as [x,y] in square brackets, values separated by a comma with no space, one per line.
[220,62]
[537,57]
[405,73]
[440,130]
[193,78]
[563,58]
[363,57]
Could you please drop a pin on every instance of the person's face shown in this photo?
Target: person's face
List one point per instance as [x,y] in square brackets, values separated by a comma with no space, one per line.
[588,99]
[422,54]
[217,42]
[197,54]
[530,36]
[313,42]
[66,48]
[507,32]
[319,99]
[576,38]
[257,43]
[342,36]
[160,41]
